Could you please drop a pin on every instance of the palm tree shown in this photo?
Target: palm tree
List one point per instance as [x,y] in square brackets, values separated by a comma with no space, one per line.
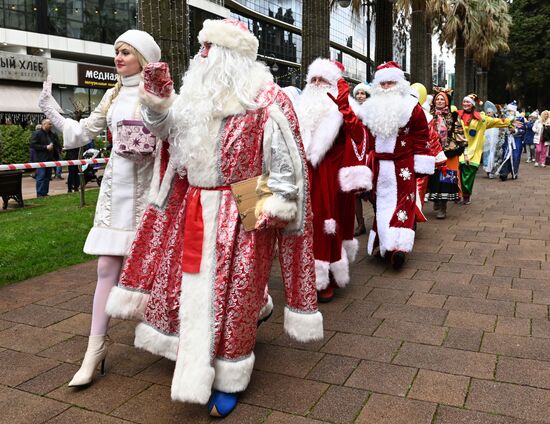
[383,27]
[315,31]
[168,23]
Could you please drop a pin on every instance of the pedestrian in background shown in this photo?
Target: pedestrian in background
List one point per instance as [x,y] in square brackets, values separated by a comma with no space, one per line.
[45,143]
[32,154]
[529,137]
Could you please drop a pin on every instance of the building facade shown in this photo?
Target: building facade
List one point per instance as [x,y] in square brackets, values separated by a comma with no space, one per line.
[72,42]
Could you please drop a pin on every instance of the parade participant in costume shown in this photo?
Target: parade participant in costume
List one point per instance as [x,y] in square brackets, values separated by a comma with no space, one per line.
[473,126]
[491,140]
[529,138]
[443,184]
[513,144]
[201,303]
[122,197]
[360,94]
[400,152]
[335,147]
[542,142]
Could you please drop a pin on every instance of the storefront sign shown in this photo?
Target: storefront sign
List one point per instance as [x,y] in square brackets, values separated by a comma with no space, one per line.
[22,67]
[96,76]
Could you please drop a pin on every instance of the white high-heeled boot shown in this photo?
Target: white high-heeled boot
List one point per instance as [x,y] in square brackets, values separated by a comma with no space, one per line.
[95,354]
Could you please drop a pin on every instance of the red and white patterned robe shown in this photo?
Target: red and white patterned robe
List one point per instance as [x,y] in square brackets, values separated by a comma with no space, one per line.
[207,320]
[395,161]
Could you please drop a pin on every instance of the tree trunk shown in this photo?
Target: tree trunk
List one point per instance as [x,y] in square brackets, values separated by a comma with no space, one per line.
[418,42]
[460,86]
[383,12]
[470,75]
[168,22]
[428,82]
[481,85]
[315,32]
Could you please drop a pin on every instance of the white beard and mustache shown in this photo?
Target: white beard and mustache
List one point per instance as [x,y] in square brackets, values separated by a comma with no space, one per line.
[386,111]
[319,120]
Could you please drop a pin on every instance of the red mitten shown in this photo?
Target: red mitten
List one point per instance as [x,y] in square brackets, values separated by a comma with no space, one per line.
[266,221]
[157,80]
[343,95]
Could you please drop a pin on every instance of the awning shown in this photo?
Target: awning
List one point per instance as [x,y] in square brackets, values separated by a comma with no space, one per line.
[20,99]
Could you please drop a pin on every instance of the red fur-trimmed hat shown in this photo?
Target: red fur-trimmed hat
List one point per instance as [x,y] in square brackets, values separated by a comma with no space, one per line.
[388,71]
[231,34]
[331,70]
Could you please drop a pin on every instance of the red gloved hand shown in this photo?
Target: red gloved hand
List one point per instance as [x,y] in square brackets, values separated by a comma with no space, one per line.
[157,80]
[343,94]
[266,221]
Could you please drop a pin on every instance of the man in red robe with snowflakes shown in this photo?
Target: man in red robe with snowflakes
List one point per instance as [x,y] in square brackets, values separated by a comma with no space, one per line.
[335,145]
[400,153]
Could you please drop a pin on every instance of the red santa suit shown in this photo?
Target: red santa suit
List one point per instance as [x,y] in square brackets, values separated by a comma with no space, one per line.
[400,151]
[195,277]
[331,142]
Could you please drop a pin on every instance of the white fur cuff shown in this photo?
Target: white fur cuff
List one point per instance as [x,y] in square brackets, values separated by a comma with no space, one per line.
[233,376]
[281,208]
[155,342]
[266,309]
[155,103]
[126,304]
[424,164]
[321,274]
[399,239]
[340,270]
[440,158]
[303,327]
[194,385]
[330,226]
[370,244]
[351,247]
[355,178]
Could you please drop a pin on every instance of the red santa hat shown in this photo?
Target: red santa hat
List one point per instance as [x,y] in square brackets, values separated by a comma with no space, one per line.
[331,70]
[388,71]
[231,34]
[472,99]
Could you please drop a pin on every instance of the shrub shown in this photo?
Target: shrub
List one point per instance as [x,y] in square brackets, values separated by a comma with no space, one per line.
[14,144]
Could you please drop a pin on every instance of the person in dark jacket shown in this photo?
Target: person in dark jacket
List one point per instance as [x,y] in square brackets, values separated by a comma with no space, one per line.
[45,144]
[73,180]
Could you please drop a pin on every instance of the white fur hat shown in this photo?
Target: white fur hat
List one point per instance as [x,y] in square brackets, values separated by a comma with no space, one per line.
[331,70]
[142,42]
[360,86]
[388,71]
[512,107]
[231,34]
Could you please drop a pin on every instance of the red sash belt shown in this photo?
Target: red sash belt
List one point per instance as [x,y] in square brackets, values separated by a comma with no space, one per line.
[193,230]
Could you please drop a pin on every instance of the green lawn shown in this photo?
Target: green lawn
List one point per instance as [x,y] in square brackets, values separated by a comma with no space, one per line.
[45,236]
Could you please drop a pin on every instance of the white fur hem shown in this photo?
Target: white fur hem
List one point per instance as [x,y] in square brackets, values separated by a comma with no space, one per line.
[330,226]
[399,239]
[351,247]
[233,376]
[424,164]
[321,274]
[194,385]
[440,158]
[126,304]
[370,244]
[281,208]
[303,327]
[155,342]
[108,241]
[340,270]
[355,178]
[153,102]
[266,309]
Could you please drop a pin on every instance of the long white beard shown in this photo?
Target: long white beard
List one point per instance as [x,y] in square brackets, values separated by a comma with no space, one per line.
[314,106]
[223,84]
[388,110]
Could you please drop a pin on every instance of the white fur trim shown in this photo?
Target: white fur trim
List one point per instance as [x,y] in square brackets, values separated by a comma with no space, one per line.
[470,100]
[386,201]
[330,226]
[388,74]
[281,208]
[303,327]
[233,376]
[357,177]
[440,158]
[194,373]
[324,68]
[424,164]
[225,34]
[109,241]
[319,141]
[359,109]
[360,86]
[126,304]
[370,244]
[321,274]
[266,309]
[156,103]
[340,270]
[351,247]
[155,342]
[154,187]
[400,239]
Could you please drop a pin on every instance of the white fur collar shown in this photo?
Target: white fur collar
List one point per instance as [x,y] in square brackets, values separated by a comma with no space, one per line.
[376,119]
[317,142]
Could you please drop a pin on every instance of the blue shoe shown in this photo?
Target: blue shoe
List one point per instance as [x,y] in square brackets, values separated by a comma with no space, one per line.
[221,404]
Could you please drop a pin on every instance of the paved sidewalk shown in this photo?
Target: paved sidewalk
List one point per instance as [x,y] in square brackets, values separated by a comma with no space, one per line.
[459,335]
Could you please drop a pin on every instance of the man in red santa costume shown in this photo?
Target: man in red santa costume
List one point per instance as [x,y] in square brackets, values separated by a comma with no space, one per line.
[195,277]
[335,145]
[400,153]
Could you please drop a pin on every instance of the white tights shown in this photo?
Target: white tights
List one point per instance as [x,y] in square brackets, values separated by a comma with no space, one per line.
[108,273]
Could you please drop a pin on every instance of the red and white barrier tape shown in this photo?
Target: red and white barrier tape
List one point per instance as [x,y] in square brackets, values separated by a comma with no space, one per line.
[34,165]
